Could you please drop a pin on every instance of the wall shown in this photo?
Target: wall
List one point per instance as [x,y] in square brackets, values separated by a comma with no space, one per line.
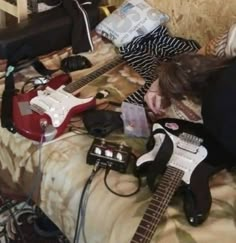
[198,19]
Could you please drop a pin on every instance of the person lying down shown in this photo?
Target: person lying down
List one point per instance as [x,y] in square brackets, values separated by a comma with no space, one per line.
[206,80]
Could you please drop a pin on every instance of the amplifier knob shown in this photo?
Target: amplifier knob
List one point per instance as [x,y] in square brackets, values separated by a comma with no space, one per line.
[119,156]
[108,153]
[98,151]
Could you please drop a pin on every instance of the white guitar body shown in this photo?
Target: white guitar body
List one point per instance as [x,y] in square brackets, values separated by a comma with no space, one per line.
[187,153]
[178,150]
[57,104]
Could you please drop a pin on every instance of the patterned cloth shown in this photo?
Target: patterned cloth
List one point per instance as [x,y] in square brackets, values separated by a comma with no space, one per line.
[224,45]
[144,54]
[65,171]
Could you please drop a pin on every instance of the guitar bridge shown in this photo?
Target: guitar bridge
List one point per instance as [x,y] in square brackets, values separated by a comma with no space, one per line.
[189,142]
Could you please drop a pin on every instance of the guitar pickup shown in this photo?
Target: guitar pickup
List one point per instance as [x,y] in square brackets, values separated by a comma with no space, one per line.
[37,109]
[189,142]
[192,148]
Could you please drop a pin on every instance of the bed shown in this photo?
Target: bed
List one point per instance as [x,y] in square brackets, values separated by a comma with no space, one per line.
[64,171]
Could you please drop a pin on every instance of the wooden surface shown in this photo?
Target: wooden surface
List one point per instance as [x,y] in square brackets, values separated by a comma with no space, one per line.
[20,11]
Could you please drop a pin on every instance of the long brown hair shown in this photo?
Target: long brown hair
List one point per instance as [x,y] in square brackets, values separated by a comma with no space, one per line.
[185,76]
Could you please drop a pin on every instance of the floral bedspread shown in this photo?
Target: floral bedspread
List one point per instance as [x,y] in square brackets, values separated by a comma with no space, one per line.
[109,218]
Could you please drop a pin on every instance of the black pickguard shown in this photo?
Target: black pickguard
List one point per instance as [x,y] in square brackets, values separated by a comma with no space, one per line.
[196,195]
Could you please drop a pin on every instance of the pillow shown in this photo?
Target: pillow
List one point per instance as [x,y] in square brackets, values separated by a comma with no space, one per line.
[223,45]
[131,19]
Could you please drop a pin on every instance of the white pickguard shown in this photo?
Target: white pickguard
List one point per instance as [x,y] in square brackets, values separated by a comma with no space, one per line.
[186,156]
[56,103]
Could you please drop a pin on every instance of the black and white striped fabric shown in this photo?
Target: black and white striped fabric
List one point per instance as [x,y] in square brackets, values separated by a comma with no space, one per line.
[144,54]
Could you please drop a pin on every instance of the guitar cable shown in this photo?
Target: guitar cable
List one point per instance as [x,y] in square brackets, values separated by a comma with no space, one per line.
[116,193]
[80,222]
[36,82]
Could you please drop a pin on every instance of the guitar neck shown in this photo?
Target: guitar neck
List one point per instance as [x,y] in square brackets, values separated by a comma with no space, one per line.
[74,86]
[158,205]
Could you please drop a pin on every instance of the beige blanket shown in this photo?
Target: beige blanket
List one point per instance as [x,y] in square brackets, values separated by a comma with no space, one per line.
[109,218]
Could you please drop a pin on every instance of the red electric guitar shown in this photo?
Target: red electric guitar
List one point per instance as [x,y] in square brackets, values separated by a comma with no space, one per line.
[49,110]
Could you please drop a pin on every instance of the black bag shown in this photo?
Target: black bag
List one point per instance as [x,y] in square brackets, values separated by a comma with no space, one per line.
[42,32]
[100,123]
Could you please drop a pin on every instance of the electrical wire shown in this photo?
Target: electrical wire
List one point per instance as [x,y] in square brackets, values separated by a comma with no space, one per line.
[82,216]
[116,193]
[83,204]
[36,82]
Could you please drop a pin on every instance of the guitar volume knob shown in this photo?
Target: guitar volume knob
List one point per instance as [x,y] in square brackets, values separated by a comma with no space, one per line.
[119,156]
[98,151]
[108,153]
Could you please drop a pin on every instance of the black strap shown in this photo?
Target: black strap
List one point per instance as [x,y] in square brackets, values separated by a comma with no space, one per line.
[40,68]
[7,100]
[158,165]
[16,63]
[37,65]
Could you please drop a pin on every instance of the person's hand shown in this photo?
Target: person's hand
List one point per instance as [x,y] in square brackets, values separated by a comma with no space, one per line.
[153,99]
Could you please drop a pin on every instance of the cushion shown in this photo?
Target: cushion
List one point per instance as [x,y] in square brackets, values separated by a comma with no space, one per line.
[131,19]
[223,45]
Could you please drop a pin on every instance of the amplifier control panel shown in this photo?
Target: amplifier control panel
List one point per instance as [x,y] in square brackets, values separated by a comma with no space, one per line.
[108,154]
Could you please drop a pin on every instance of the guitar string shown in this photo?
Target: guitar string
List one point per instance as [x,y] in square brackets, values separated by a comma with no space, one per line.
[177,177]
[168,173]
[97,73]
[147,236]
[154,219]
[172,187]
[85,80]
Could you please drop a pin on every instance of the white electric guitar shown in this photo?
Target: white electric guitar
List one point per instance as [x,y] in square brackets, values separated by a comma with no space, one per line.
[177,149]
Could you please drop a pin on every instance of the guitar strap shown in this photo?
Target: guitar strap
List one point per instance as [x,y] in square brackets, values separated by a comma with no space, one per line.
[15,64]
[7,100]
[158,165]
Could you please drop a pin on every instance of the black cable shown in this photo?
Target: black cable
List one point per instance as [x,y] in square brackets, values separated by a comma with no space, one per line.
[36,82]
[116,193]
[87,183]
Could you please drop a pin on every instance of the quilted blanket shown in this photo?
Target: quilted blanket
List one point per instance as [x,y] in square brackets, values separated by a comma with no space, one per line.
[109,218]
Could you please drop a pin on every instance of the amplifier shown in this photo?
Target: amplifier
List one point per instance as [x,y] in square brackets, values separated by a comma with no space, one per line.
[108,154]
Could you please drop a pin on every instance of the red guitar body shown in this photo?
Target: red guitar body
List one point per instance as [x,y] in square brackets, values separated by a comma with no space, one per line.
[30,123]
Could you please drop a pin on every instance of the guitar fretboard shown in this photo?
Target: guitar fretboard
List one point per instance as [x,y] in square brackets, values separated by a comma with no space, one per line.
[158,205]
[76,85]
